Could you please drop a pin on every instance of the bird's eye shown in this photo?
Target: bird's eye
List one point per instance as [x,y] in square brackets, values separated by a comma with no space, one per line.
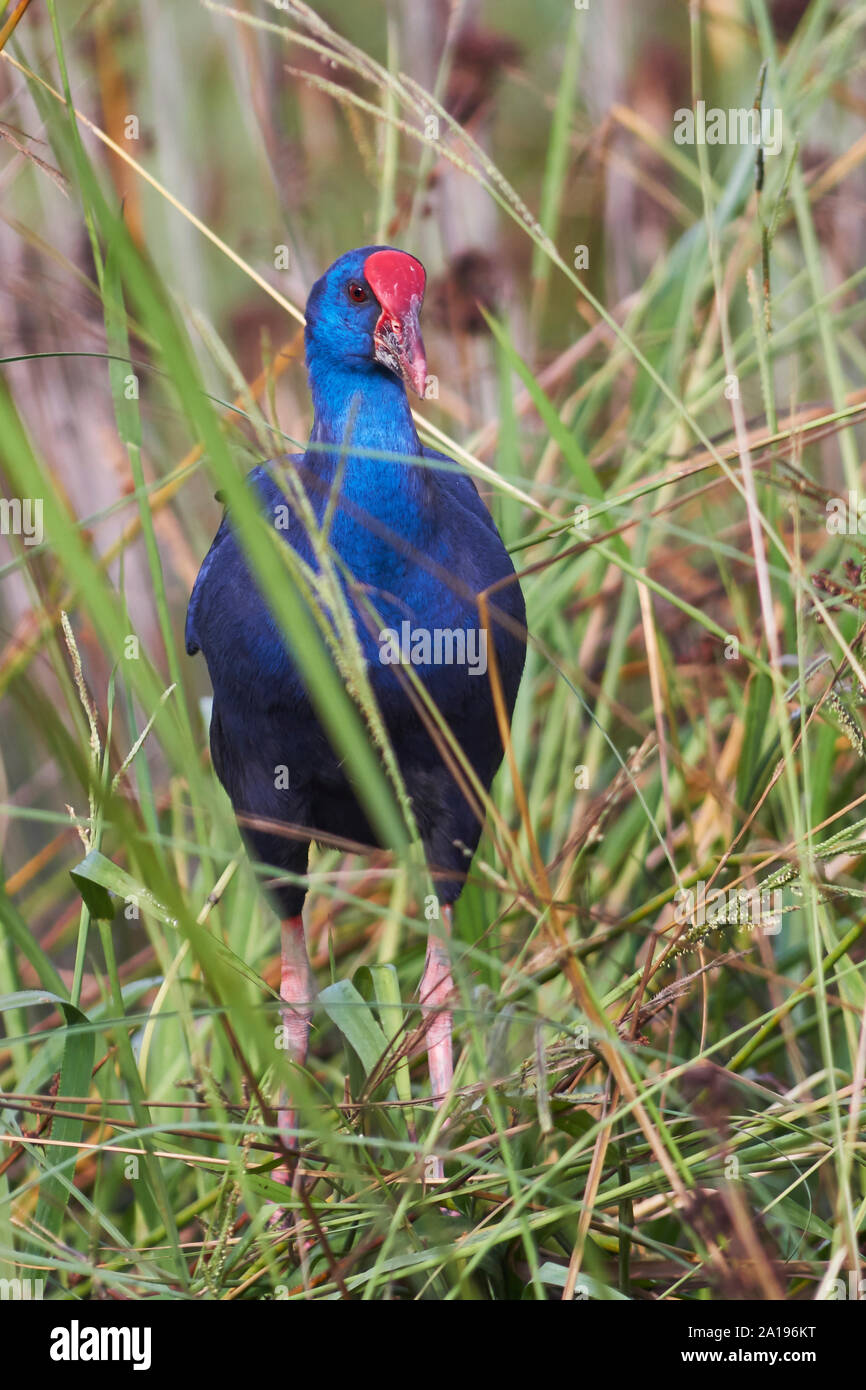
[356,292]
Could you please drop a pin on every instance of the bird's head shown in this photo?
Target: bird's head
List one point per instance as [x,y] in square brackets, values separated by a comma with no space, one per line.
[363,313]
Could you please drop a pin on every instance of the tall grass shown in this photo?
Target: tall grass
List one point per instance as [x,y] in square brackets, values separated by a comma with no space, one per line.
[646,1105]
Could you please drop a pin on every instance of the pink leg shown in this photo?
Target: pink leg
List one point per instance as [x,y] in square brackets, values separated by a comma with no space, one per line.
[297,990]
[436,990]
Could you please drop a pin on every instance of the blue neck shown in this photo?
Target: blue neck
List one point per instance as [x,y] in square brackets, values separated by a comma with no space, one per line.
[368,410]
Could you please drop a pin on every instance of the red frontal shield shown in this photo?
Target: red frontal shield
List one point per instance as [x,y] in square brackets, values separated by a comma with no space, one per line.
[398,280]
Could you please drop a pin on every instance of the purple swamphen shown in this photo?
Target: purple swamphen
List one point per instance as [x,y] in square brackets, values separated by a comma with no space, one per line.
[416,540]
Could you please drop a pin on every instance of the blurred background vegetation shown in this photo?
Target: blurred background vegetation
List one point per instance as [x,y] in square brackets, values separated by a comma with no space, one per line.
[651,357]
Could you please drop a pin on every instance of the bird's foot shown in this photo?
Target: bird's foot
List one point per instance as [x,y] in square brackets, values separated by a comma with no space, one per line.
[282,1221]
[286,1218]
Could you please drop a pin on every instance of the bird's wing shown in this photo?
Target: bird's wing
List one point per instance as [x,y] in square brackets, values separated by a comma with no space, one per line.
[260,479]
[193,644]
[460,487]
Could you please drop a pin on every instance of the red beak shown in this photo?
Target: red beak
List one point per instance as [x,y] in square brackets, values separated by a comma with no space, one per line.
[397,280]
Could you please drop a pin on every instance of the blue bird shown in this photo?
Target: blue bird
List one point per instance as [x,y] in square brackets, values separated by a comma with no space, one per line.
[419,545]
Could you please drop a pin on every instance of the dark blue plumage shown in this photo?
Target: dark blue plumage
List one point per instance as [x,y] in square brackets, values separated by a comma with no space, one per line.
[422,544]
